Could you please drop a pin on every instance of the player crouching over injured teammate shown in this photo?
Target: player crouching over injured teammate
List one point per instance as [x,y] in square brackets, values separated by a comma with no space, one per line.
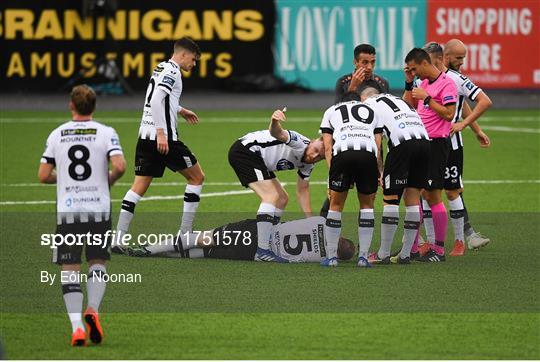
[254,159]
[300,241]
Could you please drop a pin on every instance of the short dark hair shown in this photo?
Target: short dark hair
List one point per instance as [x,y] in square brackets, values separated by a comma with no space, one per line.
[187,44]
[433,48]
[84,99]
[363,48]
[346,249]
[349,96]
[417,55]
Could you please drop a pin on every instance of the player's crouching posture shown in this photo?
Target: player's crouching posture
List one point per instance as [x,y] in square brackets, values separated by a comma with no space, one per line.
[81,150]
[297,241]
[405,168]
[254,159]
[158,145]
[352,160]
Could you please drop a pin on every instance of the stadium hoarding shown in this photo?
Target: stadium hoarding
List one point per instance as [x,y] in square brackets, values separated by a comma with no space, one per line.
[315,40]
[503,39]
[46,46]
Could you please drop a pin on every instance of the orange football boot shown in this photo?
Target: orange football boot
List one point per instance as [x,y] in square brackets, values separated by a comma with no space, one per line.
[78,338]
[459,248]
[92,323]
[424,248]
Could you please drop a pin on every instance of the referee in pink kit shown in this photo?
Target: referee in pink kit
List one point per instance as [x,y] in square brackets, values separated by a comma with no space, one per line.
[435,101]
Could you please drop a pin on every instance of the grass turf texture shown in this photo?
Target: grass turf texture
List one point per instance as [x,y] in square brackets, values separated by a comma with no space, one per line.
[483,305]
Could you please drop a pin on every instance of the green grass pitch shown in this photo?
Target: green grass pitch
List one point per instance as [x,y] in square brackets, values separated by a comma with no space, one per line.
[484,305]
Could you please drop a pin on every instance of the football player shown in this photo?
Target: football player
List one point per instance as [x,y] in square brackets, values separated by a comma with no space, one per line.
[76,159]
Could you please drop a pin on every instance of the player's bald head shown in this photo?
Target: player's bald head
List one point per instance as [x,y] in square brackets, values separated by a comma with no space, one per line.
[454,46]
[454,54]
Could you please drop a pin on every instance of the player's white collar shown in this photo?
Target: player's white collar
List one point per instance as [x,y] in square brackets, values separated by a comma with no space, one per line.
[175,63]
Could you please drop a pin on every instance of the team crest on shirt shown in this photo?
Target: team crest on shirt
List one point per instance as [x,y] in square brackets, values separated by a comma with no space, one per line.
[284,164]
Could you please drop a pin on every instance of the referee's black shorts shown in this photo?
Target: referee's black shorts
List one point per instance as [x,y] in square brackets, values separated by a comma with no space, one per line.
[149,162]
[438,158]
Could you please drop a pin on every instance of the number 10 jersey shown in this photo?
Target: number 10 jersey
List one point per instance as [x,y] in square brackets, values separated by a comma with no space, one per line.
[80,150]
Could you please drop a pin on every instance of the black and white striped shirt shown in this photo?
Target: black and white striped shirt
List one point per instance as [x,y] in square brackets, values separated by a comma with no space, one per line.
[166,78]
[277,155]
[396,119]
[351,126]
[466,89]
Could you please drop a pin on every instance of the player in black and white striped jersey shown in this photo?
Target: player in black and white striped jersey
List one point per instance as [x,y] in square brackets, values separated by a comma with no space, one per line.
[80,150]
[452,56]
[158,145]
[351,153]
[254,158]
[405,170]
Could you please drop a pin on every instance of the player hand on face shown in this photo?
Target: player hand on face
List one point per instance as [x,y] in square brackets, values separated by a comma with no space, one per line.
[161,140]
[409,77]
[484,140]
[189,116]
[419,93]
[358,77]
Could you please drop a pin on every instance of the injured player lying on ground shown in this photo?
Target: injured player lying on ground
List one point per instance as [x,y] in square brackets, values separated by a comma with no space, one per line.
[296,241]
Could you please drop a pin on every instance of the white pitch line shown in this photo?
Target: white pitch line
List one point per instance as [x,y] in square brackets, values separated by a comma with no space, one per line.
[511,129]
[164,184]
[148,198]
[248,191]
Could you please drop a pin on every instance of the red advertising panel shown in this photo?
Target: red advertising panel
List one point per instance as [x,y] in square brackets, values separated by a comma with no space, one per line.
[502,38]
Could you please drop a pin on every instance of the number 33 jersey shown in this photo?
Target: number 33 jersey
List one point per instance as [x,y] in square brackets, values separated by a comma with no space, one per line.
[80,150]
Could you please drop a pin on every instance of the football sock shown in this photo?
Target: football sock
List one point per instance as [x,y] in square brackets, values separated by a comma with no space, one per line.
[324,209]
[126,214]
[366,224]
[457,217]
[428,222]
[96,285]
[411,227]
[440,222]
[265,220]
[162,247]
[467,224]
[278,213]
[332,231]
[194,254]
[192,196]
[73,298]
[389,224]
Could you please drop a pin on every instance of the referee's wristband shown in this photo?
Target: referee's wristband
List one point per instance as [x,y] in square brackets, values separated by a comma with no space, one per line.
[409,86]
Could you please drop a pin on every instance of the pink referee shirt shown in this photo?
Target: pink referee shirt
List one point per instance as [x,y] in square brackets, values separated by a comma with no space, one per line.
[443,91]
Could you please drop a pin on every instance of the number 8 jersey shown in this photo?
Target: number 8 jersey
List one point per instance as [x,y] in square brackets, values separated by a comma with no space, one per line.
[80,150]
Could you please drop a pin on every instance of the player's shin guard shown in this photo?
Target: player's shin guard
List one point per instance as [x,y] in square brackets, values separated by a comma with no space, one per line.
[96,285]
[265,223]
[73,298]
[332,231]
[468,229]
[457,214]
[366,224]
[411,226]
[192,196]
[389,224]
[440,223]
[126,214]
[428,222]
